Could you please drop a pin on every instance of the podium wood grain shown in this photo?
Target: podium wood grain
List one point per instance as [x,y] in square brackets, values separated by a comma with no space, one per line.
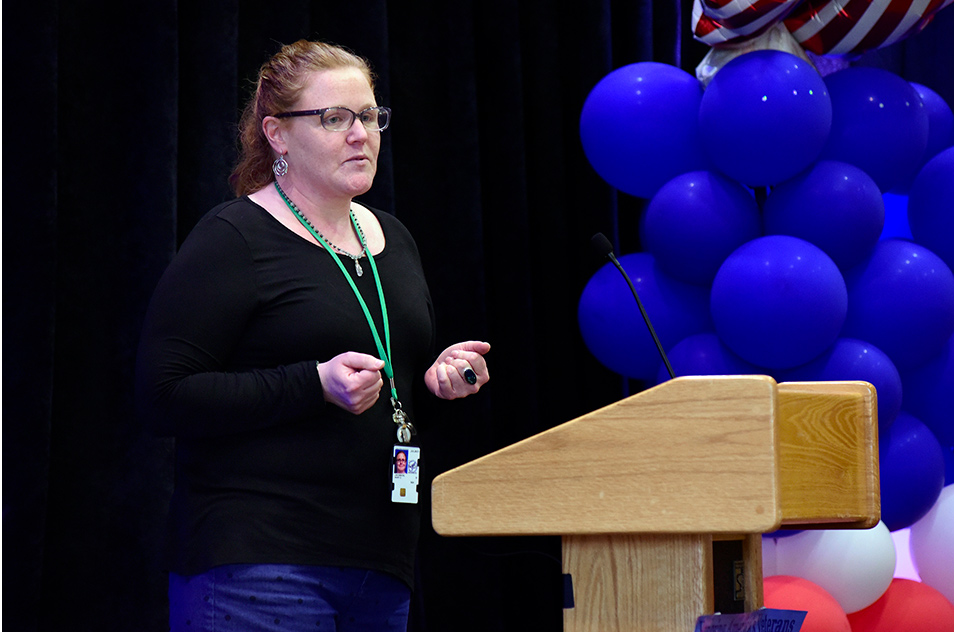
[688,456]
[624,583]
[829,454]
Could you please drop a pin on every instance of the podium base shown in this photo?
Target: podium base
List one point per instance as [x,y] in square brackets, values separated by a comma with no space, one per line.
[653,583]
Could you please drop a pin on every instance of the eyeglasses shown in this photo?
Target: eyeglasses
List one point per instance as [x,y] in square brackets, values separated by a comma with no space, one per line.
[339,119]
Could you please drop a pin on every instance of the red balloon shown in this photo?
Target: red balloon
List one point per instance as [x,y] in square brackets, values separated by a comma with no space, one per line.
[852,27]
[824,613]
[906,605]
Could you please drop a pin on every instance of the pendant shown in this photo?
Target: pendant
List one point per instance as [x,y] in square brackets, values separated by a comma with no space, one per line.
[358,268]
[405,429]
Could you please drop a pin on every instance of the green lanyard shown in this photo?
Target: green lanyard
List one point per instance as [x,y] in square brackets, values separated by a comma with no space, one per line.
[405,429]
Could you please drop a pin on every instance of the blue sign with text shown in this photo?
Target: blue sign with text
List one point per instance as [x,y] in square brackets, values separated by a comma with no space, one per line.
[763,620]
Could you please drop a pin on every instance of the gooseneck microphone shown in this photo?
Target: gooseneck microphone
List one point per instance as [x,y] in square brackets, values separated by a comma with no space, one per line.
[603,246]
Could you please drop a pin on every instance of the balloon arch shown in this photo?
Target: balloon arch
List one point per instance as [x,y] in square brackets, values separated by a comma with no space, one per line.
[799,224]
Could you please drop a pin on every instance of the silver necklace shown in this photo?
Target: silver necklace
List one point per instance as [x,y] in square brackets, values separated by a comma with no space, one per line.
[358,230]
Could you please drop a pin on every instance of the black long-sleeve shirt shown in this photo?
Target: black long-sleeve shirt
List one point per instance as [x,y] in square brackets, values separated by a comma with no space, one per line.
[266,471]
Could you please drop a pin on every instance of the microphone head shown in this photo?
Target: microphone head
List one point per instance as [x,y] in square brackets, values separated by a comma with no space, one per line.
[602,245]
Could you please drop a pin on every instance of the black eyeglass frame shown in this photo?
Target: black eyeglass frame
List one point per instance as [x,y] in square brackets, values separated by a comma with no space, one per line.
[355,115]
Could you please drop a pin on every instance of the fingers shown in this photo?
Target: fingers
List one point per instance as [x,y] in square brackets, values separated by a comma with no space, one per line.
[465,355]
[472,347]
[460,372]
[361,361]
[362,391]
[352,381]
[451,384]
[477,346]
[465,369]
[471,365]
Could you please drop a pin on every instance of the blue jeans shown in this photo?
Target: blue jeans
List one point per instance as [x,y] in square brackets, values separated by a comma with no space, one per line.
[290,598]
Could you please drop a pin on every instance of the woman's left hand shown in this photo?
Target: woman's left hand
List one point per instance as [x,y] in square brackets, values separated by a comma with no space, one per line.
[448,377]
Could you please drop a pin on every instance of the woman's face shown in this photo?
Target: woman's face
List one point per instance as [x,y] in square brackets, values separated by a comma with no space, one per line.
[332,165]
[400,462]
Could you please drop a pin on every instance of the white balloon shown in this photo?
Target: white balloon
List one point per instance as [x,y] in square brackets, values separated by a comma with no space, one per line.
[854,565]
[931,543]
[905,567]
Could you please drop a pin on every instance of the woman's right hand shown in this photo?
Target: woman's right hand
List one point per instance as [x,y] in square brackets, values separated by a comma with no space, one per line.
[352,381]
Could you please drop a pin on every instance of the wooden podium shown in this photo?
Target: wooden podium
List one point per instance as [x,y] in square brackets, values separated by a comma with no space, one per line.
[643,490]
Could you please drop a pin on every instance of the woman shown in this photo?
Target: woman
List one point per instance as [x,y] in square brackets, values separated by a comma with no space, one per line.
[265,352]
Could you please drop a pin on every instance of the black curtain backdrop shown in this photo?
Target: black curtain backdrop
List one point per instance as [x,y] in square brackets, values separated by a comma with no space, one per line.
[119,133]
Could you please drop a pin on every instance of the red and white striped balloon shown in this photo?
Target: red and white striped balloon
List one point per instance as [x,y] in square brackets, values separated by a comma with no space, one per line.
[823,27]
[852,27]
[726,21]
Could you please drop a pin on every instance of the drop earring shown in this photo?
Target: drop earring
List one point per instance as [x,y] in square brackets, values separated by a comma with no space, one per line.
[280,167]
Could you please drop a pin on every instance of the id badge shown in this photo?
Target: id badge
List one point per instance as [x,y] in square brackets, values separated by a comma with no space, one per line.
[405,462]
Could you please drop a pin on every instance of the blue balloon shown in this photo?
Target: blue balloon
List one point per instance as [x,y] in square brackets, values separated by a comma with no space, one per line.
[851,359]
[911,472]
[928,394]
[695,220]
[611,323]
[778,301]
[940,134]
[704,354]
[930,209]
[879,124]
[896,224]
[766,116]
[901,300]
[833,205]
[639,127]
[941,124]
